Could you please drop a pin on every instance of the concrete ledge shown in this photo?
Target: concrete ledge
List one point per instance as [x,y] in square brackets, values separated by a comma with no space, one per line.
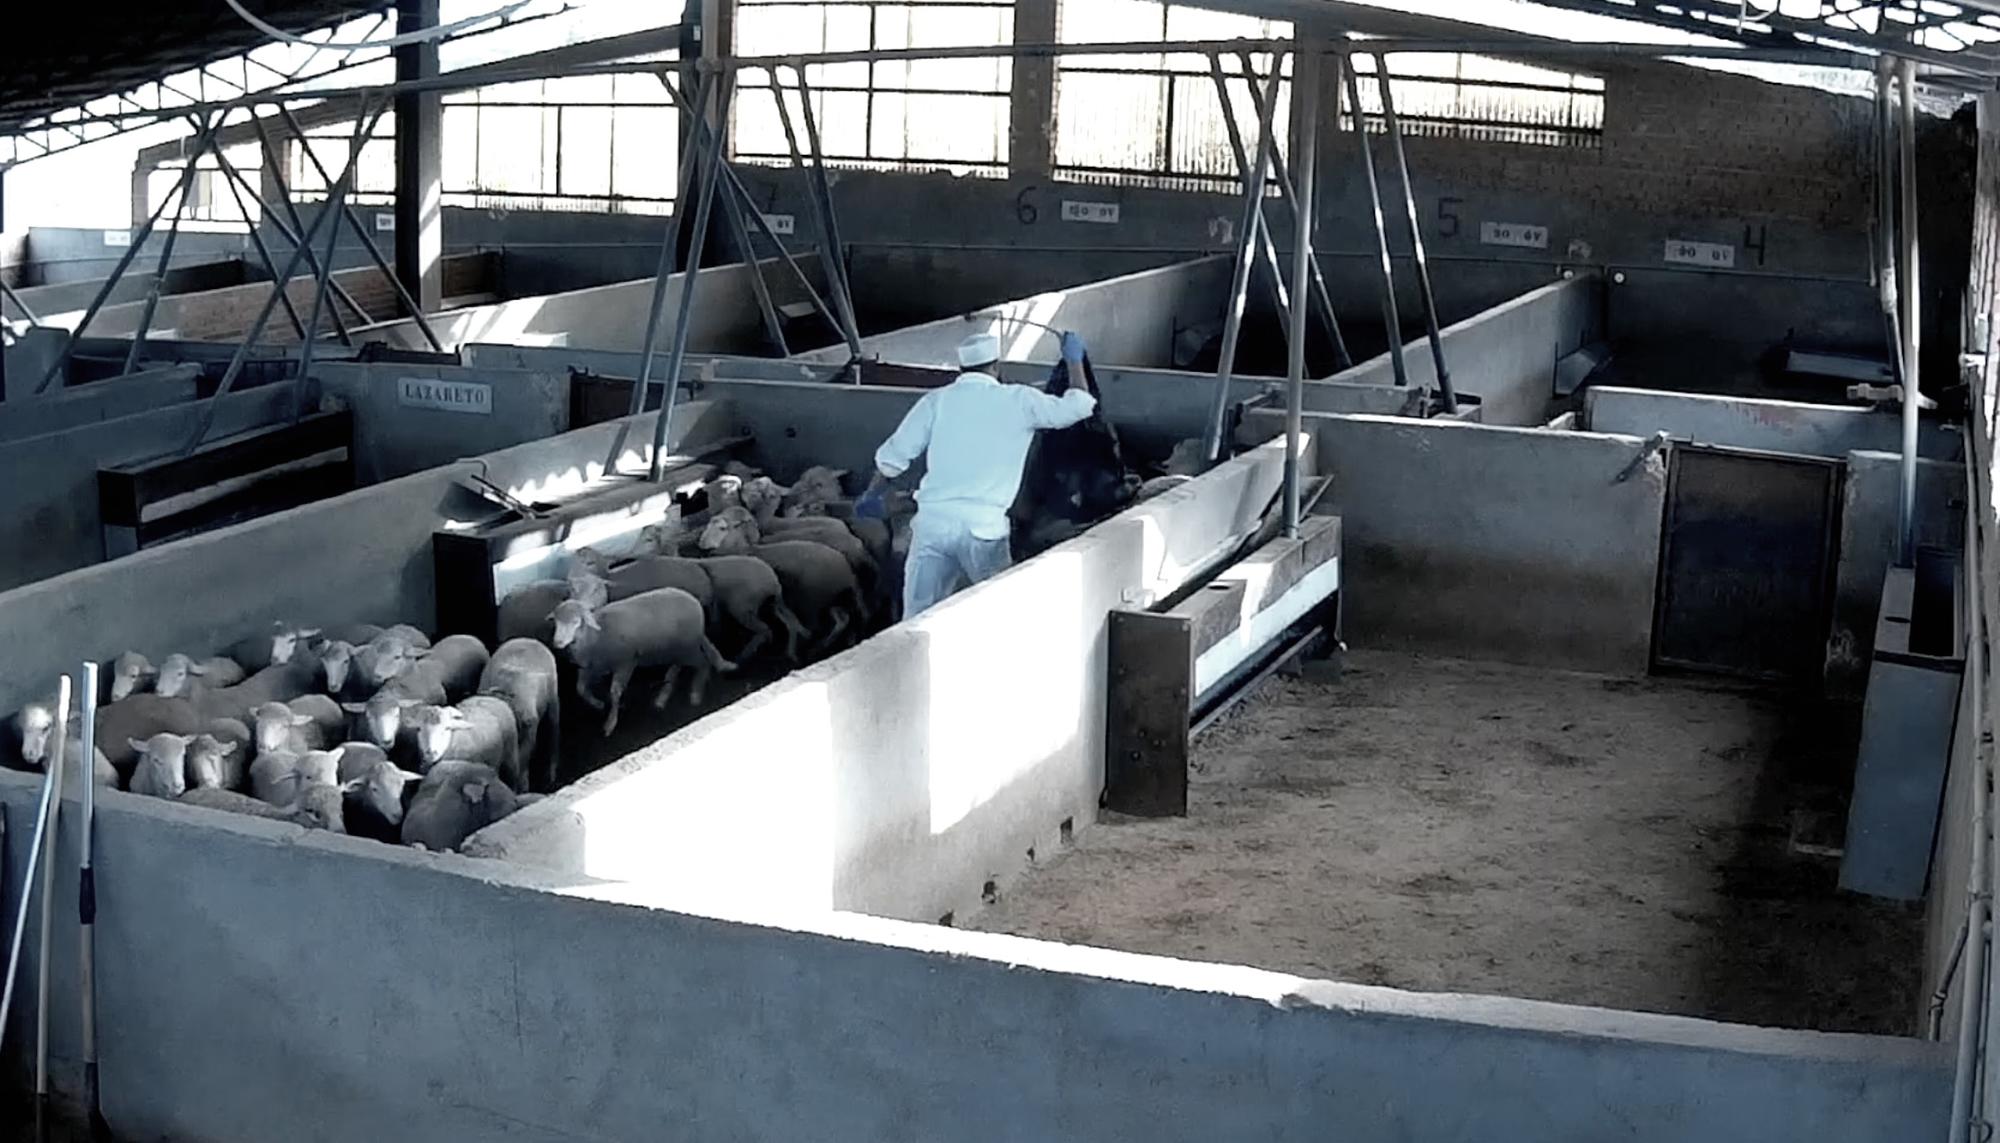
[1774,426]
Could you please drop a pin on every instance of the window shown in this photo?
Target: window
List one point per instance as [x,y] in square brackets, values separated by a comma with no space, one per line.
[1154,118]
[593,143]
[209,199]
[1457,96]
[949,114]
[374,175]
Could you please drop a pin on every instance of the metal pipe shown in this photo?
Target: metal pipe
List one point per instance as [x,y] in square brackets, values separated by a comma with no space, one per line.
[832,251]
[1267,249]
[297,229]
[367,242]
[1305,83]
[320,280]
[1239,287]
[1447,396]
[103,292]
[1391,321]
[704,209]
[86,899]
[7,292]
[20,936]
[1281,171]
[1979,899]
[364,127]
[271,267]
[669,256]
[52,830]
[1911,315]
[739,233]
[202,138]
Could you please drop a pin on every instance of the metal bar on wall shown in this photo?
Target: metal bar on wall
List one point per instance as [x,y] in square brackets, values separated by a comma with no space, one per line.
[831,250]
[204,135]
[103,293]
[1911,316]
[1305,79]
[293,233]
[1391,321]
[264,255]
[1232,325]
[1447,396]
[1267,250]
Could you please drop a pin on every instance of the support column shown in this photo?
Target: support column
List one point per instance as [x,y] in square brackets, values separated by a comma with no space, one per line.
[419,178]
[1032,127]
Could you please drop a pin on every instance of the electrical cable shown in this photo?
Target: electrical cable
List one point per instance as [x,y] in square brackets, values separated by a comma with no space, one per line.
[422,35]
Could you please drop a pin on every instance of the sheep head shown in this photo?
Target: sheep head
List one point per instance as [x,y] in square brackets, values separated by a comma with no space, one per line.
[732,531]
[434,726]
[589,589]
[818,485]
[381,717]
[176,673]
[381,788]
[763,497]
[590,560]
[37,722]
[572,620]
[727,491]
[162,763]
[205,759]
[319,807]
[129,672]
[337,660]
[274,725]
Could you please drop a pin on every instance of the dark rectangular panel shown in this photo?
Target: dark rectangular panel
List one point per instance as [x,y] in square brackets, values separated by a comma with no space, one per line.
[1151,664]
[1746,563]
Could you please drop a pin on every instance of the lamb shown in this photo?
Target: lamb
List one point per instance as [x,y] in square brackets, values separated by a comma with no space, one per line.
[525,612]
[379,722]
[279,682]
[137,719]
[318,807]
[178,674]
[374,800]
[30,730]
[745,587]
[308,722]
[380,659]
[101,770]
[651,573]
[656,629]
[816,485]
[523,674]
[215,763]
[819,584]
[480,728]
[816,529]
[453,802]
[161,771]
[274,646]
[131,673]
[453,664]
[281,777]
[357,758]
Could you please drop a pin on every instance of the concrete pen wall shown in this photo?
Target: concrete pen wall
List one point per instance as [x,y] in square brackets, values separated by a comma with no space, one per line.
[1522,545]
[255,981]
[1755,423]
[71,408]
[1506,356]
[1870,515]
[1131,320]
[901,776]
[394,437]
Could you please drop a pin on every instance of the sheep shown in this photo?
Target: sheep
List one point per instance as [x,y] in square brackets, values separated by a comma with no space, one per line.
[274,646]
[279,682]
[281,776]
[131,673]
[745,587]
[417,640]
[380,659]
[357,758]
[817,529]
[652,573]
[161,771]
[215,763]
[1157,486]
[29,731]
[138,718]
[523,673]
[816,485]
[178,674]
[379,722]
[525,612]
[375,799]
[308,722]
[662,628]
[453,663]
[819,584]
[453,802]
[481,728]
[101,770]
[1189,458]
[354,634]
[318,807]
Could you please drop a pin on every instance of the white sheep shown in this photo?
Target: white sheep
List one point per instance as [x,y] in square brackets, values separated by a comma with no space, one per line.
[281,777]
[664,628]
[481,728]
[818,583]
[523,674]
[453,802]
[317,807]
[179,675]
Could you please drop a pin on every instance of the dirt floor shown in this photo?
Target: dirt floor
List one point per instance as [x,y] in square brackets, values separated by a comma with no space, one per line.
[1449,826]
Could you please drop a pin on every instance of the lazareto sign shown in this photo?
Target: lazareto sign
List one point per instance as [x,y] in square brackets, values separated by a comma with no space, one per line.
[448,396]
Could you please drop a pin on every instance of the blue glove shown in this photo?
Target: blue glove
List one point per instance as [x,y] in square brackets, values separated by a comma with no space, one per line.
[871,506]
[1072,348]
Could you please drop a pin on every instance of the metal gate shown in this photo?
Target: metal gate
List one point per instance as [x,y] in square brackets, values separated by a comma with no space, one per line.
[1747,555]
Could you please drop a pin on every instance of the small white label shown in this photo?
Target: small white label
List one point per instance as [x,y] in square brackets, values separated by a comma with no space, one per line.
[781,223]
[1514,234]
[448,396]
[118,238]
[1717,255]
[1100,212]
[384,221]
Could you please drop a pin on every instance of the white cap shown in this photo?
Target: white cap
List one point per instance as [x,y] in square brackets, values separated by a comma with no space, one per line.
[979,349]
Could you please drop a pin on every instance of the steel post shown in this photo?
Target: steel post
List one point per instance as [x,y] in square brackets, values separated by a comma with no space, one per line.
[831,250]
[203,135]
[1305,81]
[364,127]
[1447,396]
[739,233]
[311,336]
[297,228]
[51,848]
[1911,316]
[1391,322]
[7,292]
[264,256]
[103,293]
[416,309]
[1280,170]
[704,208]
[669,256]
[86,899]
[1973,981]
[1267,250]
[1239,286]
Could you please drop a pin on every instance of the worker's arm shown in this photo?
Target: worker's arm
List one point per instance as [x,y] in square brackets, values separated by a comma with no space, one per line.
[900,451]
[1074,405]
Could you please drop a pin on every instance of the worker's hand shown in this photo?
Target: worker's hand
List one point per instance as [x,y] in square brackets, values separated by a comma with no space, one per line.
[1072,348]
[872,506]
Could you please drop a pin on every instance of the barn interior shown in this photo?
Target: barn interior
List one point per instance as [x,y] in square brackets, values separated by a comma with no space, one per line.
[1528,663]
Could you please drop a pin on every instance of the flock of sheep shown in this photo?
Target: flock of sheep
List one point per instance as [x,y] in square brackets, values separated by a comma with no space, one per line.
[383,733]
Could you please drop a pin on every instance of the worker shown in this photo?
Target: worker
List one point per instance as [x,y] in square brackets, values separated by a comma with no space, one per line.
[975,434]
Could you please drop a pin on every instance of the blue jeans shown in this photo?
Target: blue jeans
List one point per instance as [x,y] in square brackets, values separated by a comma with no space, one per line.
[945,557]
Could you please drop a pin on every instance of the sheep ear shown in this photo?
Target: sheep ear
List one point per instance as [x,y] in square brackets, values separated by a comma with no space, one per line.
[590,620]
[196,669]
[354,707]
[136,745]
[307,632]
[301,719]
[225,749]
[352,785]
[475,793]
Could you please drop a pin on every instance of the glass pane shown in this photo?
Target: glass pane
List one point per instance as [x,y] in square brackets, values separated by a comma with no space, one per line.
[510,149]
[1110,121]
[843,123]
[1111,21]
[939,128]
[638,89]
[460,148]
[758,131]
[580,89]
[585,151]
[643,152]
